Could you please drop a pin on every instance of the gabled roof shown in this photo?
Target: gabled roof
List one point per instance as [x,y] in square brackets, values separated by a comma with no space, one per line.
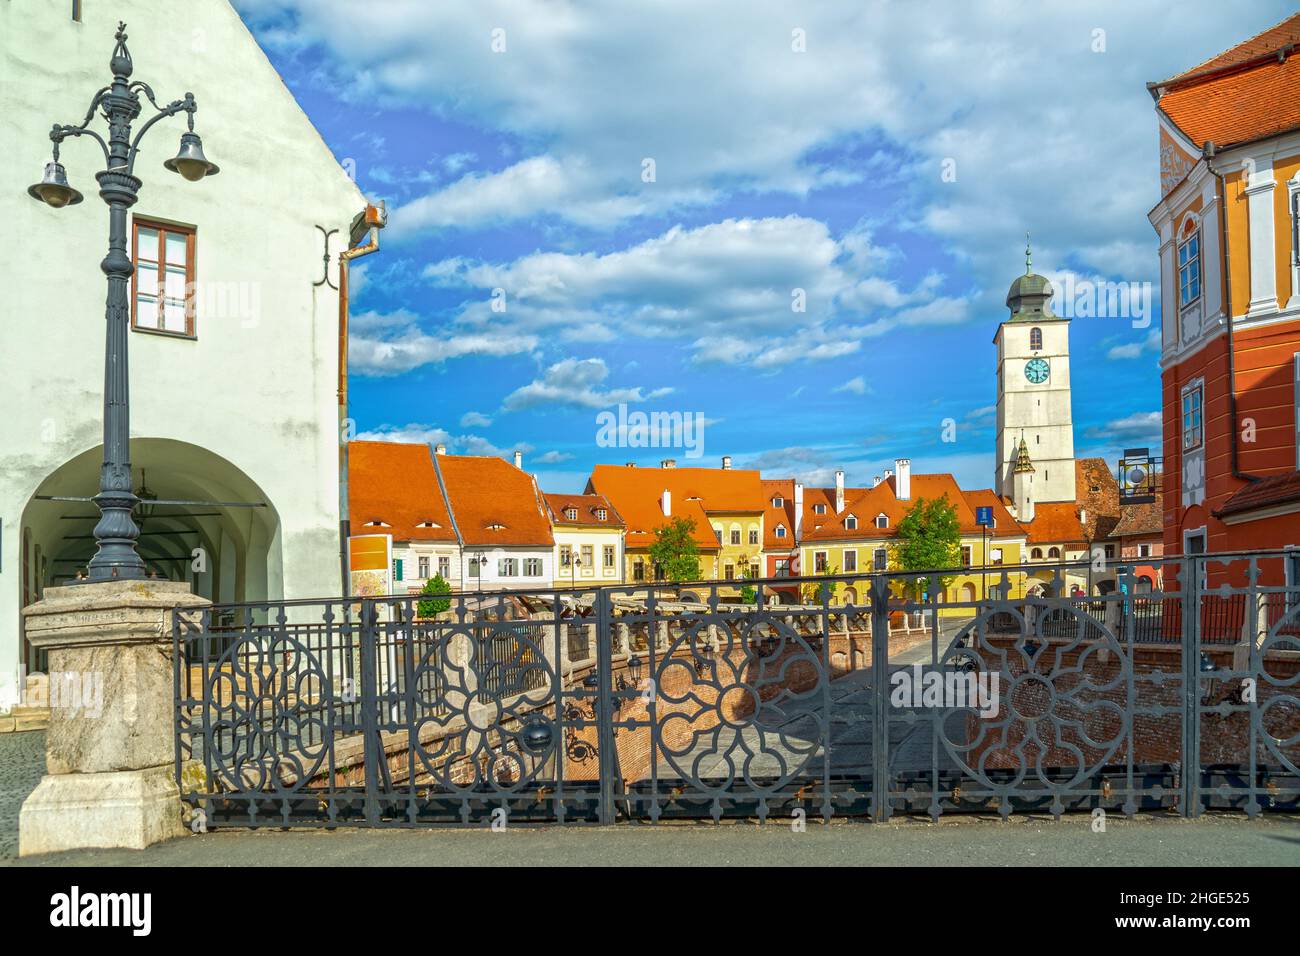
[694,493]
[588,508]
[1244,94]
[782,488]
[494,502]
[869,503]
[396,484]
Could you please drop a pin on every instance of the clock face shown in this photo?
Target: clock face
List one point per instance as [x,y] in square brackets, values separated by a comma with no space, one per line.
[1036,370]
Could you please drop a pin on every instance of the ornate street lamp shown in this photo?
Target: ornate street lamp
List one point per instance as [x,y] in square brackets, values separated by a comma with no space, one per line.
[119,102]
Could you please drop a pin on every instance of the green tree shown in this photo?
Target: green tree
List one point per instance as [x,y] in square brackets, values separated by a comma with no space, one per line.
[821,591]
[929,539]
[435,585]
[674,552]
[748,593]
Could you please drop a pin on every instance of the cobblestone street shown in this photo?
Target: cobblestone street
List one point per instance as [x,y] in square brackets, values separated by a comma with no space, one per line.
[22,763]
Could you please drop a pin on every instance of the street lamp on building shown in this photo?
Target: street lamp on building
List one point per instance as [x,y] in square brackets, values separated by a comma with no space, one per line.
[119,103]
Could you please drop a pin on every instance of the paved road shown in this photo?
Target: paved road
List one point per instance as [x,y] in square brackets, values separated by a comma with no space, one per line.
[1219,841]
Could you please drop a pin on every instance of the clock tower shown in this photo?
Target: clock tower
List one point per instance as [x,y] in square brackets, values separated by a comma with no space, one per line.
[1034,394]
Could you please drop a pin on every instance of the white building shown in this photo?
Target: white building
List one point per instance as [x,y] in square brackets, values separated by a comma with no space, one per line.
[234,405]
[1033,400]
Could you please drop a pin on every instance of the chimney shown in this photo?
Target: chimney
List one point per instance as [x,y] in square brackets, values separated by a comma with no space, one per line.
[440,449]
[666,503]
[875,480]
[798,510]
[839,491]
[668,463]
[726,463]
[903,485]
[519,459]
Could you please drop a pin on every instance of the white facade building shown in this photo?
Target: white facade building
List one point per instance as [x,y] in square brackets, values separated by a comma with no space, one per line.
[234,405]
[1033,399]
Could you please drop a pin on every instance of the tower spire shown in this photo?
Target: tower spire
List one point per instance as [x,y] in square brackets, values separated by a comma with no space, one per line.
[1029,260]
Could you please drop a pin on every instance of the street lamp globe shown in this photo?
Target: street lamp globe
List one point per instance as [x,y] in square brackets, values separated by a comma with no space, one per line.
[53,189]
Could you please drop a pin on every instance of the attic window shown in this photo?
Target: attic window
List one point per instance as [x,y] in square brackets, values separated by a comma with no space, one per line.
[780,531]
[571,514]
[601,514]
[778,502]
[494,526]
[819,509]
[376,523]
[1095,488]
[851,523]
[428,524]
[882,521]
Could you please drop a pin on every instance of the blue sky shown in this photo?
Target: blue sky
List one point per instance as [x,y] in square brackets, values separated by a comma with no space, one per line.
[885,158]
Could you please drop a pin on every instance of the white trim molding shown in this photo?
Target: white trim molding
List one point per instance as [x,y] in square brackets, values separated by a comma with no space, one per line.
[1263,250]
[1293,212]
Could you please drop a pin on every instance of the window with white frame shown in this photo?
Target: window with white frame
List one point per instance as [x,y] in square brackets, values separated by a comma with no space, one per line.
[424,566]
[753,536]
[507,567]
[1193,413]
[882,521]
[532,567]
[819,562]
[819,509]
[1189,266]
[780,531]
[607,555]
[735,536]
[444,567]
[850,560]
[851,523]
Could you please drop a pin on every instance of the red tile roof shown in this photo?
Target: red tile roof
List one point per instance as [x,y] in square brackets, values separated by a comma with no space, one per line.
[1246,93]
[588,508]
[782,488]
[866,504]
[494,502]
[693,492]
[1004,523]
[1055,522]
[396,484]
[1277,490]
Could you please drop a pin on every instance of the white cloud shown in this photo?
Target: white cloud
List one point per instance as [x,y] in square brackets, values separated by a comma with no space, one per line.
[474,420]
[421,434]
[856,385]
[575,383]
[1132,350]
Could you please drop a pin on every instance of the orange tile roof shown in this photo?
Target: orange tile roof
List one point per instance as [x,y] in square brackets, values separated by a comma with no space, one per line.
[396,484]
[485,491]
[587,508]
[1056,522]
[782,488]
[694,493]
[1004,523]
[1246,93]
[866,504]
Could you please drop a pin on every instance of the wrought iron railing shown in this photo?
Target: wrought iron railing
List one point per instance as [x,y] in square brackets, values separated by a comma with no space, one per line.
[651,701]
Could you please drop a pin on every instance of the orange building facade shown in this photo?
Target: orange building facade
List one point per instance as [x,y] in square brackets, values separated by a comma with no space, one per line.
[1229,228]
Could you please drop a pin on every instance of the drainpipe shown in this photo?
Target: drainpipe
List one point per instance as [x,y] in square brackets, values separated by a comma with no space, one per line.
[1222,187]
[374,218]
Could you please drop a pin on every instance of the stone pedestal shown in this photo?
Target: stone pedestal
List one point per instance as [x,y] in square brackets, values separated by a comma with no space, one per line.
[110,746]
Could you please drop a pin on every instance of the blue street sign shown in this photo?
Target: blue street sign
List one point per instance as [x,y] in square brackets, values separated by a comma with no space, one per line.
[984,516]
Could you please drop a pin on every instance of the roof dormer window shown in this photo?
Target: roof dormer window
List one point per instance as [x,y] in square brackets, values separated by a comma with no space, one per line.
[882,520]
[376,523]
[851,523]
[428,524]
[601,514]
[571,514]
[819,509]
[778,502]
[780,531]
[496,526]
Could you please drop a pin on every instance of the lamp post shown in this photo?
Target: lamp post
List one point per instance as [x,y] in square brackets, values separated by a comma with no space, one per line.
[119,102]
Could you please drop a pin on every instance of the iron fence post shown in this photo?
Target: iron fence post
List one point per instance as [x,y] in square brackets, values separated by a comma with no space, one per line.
[607,757]
[1191,762]
[880,697]
[373,749]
